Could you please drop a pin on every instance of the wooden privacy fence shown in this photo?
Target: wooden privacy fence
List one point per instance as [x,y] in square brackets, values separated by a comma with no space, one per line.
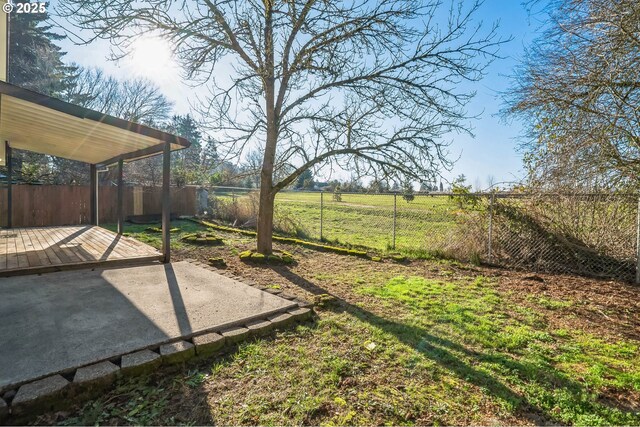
[45,205]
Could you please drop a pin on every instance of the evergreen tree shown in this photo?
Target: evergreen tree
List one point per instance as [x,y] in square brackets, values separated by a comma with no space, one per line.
[35,62]
[210,158]
[407,191]
[186,127]
[305,180]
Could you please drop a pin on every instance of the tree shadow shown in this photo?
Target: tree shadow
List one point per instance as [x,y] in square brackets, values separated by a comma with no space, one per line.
[525,239]
[443,352]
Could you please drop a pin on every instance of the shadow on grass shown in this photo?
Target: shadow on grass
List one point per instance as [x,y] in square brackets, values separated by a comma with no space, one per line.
[443,352]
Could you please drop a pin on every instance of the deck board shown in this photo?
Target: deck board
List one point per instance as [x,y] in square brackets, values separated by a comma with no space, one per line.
[40,248]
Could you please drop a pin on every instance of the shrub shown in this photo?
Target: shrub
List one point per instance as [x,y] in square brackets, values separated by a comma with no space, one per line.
[243,212]
[408,194]
[409,197]
[462,195]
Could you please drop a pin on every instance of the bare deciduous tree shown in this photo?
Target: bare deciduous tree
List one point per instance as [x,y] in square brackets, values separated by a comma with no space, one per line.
[578,93]
[137,100]
[365,86]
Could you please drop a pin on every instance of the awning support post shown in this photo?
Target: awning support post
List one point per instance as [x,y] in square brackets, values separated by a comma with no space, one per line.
[120,197]
[166,202]
[93,194]
[9,162]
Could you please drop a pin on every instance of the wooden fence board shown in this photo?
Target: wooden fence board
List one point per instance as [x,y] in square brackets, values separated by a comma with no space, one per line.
[47,205]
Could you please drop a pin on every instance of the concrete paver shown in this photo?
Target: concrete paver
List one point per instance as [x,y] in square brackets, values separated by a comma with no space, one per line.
[177,352]
[102,372]
[235,335]
[208,344]
[140,362]
[38,395]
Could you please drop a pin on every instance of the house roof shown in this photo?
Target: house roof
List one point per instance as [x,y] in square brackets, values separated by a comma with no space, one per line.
[39,123]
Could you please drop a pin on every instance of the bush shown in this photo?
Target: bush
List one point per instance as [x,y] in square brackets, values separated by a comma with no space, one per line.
[409,197]
[337,194]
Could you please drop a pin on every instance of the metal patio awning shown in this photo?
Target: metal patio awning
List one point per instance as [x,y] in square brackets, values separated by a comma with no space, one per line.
[35,122]
[42,124]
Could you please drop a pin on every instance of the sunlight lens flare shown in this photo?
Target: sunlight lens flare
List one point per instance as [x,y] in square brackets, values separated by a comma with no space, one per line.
[152,57]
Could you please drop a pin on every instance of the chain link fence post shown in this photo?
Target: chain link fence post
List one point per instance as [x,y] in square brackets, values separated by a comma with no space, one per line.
[490,237]
[321,212]
[395,211]
[638,243]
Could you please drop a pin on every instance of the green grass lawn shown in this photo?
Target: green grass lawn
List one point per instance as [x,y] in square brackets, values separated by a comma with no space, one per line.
[424,224]
[423,343]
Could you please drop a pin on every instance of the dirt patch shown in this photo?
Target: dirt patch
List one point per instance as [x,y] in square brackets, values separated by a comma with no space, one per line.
[598,306]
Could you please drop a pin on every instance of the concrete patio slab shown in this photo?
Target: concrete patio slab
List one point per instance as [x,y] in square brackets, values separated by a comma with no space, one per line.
[56,322]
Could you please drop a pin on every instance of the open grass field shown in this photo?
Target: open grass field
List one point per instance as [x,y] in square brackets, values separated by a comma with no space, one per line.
[426,342]
[424,224]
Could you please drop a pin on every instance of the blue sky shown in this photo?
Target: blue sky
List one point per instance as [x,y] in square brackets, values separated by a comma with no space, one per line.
[490,152]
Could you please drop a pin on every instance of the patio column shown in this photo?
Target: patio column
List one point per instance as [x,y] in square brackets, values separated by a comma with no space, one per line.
[9,162]
[166,202]
[120,197]
[93,194]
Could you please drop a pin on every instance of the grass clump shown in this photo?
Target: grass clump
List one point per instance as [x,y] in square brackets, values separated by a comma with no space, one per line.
[202,238]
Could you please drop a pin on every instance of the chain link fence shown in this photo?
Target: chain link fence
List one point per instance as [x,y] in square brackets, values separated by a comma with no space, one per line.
[587,234]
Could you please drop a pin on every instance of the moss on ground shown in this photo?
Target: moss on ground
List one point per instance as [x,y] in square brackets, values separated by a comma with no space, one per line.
[398,258]
[159,229]
[278,257]
[202,238]
[217,262]
[290,240]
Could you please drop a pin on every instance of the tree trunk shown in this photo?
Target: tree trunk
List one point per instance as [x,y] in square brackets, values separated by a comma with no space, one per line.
[267,196]
[265,220]
[265,211]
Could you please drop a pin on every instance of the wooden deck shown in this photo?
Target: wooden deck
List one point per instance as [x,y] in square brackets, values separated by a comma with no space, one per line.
[43,249]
